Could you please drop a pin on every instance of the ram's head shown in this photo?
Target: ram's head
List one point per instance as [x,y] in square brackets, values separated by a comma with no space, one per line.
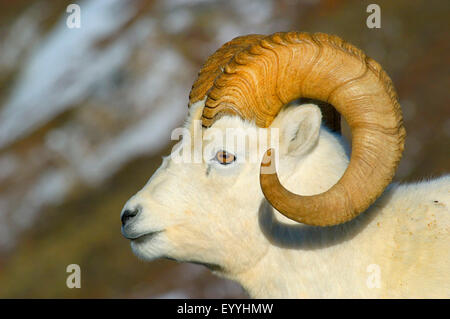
[206,210]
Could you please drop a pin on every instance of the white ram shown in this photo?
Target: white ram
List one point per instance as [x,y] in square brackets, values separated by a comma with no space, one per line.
[350,234]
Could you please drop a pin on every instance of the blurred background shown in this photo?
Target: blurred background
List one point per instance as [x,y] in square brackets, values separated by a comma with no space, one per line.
[86,114]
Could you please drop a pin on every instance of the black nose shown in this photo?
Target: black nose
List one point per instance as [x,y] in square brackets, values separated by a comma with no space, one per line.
[129,214]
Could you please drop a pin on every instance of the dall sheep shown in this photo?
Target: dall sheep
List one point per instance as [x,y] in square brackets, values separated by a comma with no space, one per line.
[349,233]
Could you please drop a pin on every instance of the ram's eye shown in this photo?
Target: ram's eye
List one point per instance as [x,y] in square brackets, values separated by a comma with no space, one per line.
[225,158]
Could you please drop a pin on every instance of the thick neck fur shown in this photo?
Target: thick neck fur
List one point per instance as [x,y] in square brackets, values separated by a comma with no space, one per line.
[304,261]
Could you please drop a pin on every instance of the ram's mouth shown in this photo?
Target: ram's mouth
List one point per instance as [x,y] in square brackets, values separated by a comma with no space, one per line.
[142,237]
[147,236]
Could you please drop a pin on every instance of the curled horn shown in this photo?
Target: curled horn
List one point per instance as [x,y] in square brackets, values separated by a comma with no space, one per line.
[260,79]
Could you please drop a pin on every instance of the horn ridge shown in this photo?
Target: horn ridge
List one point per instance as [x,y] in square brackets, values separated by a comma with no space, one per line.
[215,64]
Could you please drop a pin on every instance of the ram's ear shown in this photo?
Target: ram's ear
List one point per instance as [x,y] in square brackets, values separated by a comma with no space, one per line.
[299,128]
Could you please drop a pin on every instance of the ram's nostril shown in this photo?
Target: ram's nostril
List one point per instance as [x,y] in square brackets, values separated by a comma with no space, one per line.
[128,214]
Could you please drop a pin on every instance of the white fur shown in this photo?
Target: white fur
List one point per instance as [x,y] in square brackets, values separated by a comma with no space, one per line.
[221,218]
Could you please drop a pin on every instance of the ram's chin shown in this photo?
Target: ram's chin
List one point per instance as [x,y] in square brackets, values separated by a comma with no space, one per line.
[148,249]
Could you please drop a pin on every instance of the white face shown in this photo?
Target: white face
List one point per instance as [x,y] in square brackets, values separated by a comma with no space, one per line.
[200,212]
[207,212]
